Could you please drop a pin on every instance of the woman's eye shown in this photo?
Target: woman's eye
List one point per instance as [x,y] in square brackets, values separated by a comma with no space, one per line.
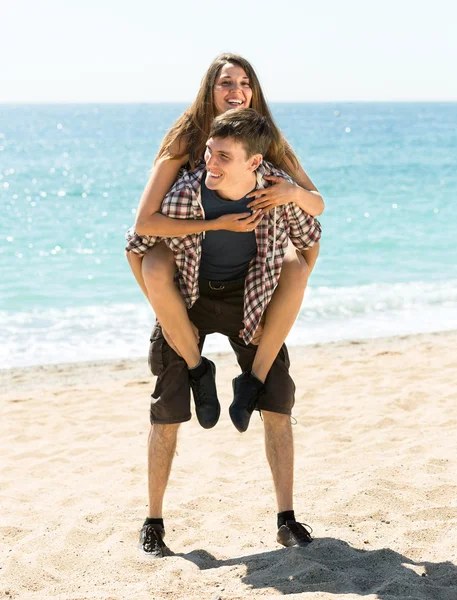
[225,83]
[246,84]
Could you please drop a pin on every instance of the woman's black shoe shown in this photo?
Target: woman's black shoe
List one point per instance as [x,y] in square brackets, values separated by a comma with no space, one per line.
[207,405]
[246,391]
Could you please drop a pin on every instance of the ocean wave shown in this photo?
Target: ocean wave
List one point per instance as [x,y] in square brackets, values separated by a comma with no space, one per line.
[354,301]
[122,330]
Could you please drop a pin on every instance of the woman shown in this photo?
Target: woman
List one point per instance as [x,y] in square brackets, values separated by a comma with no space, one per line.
[230,82]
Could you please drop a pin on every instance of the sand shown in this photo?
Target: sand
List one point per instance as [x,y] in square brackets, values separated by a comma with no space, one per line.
[376,478]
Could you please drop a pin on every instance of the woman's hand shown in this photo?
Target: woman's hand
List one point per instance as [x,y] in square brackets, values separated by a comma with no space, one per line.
[241,222]
[281,192]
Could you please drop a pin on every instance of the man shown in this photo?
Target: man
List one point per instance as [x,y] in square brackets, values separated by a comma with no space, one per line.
[227,283]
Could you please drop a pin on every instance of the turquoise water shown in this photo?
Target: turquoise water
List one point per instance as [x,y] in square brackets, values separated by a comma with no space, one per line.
[71,177]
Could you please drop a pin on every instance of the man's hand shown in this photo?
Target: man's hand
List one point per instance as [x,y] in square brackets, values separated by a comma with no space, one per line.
[240,222]
[282,192]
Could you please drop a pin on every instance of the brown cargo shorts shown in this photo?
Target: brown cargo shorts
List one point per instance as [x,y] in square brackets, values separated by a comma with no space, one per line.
[218,310]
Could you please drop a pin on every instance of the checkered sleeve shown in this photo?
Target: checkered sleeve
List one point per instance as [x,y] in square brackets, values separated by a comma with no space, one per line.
[139,244]
[304,230]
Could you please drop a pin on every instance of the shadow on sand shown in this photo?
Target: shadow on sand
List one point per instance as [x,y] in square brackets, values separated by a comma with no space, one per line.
[333,566]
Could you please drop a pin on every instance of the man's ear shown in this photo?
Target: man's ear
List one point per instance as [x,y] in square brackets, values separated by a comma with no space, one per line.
[255,161]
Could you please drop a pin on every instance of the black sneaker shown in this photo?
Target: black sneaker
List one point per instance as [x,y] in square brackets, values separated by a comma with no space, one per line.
[207,405]
[151,542]
[294,533]
[246,391]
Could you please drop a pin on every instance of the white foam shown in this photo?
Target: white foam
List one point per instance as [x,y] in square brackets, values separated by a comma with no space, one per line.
[122,330]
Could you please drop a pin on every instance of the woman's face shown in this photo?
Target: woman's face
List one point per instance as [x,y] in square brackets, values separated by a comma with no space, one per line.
[232,89]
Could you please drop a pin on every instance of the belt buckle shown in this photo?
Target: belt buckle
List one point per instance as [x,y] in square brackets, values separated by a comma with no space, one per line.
[211,285]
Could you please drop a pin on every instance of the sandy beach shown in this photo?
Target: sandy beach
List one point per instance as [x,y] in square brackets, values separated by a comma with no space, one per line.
[376,478]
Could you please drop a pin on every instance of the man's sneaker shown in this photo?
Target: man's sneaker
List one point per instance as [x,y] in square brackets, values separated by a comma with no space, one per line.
[151,542]
[207,405]
[246,391]
[294,533]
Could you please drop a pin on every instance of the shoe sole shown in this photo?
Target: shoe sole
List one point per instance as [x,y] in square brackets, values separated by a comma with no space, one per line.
[148,556]
[288,540]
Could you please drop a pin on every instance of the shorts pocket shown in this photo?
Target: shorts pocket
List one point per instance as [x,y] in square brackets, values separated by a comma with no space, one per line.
[156,351]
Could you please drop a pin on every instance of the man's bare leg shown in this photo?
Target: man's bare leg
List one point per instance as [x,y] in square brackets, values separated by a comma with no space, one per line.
[161,450]
[279,447]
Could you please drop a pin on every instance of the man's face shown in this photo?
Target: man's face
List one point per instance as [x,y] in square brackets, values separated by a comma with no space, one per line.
[227,166]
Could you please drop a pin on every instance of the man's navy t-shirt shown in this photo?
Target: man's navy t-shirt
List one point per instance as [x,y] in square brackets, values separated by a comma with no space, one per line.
[225,254]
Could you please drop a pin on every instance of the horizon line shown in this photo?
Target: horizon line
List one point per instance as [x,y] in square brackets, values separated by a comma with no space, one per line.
[47,102]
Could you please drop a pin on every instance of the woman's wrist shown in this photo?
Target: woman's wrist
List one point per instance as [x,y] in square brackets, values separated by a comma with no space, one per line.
[210,225]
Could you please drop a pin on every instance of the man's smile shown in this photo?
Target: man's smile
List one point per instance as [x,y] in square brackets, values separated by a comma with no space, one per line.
[214,175]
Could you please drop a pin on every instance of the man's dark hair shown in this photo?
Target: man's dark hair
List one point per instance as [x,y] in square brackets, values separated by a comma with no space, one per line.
[244,125]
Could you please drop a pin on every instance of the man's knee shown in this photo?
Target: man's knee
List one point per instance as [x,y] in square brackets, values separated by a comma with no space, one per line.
[275,421]
[166,432]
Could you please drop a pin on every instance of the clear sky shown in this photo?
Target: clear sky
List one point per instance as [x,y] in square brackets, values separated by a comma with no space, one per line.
[158,50]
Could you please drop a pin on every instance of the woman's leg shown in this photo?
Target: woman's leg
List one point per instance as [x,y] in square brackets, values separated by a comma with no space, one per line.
[158,270]
[282,311]
[135,261]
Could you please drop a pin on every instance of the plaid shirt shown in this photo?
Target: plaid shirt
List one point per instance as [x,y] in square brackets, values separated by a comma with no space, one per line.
[183,201]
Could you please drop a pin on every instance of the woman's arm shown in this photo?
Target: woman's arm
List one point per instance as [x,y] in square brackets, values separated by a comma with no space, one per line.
[163,226]
[307,195]
[304,194]
[163,176]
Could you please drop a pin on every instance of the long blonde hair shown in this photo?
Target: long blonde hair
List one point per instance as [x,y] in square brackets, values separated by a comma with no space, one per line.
[194,125]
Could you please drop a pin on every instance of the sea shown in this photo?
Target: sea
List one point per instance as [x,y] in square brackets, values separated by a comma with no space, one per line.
[71,177]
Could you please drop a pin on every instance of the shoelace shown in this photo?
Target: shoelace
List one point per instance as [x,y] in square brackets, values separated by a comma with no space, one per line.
[201,394]
[300,529]
[152,540]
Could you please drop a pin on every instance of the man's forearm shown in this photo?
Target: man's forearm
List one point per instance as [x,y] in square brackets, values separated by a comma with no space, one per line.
[162,226]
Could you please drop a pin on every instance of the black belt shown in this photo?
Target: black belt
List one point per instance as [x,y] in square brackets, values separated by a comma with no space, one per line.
[218,286]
